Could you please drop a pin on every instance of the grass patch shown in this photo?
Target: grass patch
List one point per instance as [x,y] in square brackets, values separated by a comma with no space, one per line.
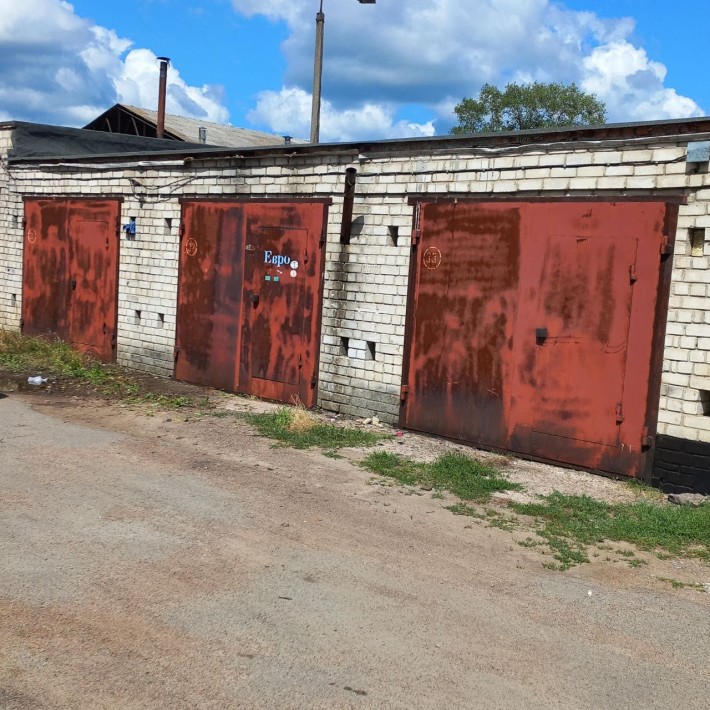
[463,509]
[56,359]
[165,401]
[643,490]
[401,469]
[332,454]
[570,524]
[465,477]
[677,584]
[39,356]
[529,542]
[297,428]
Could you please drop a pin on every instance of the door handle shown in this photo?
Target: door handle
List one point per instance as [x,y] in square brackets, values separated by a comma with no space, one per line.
[73,284]
[541,335]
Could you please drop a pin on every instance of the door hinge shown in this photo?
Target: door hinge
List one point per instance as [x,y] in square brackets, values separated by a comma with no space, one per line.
[323,233]
[176,353]
[416,236]
[666,246]
[619,414]
[314,380]
[24,223]
[633,276]
[646,438]
[404,391]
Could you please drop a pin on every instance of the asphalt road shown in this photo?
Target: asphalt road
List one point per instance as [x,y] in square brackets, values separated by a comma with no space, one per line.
[153,562]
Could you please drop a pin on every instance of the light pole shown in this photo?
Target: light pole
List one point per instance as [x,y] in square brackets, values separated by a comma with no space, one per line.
[318,71]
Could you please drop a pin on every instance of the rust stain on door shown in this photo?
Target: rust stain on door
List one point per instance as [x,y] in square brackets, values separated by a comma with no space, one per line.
[534,334]
[250,296]
[463,317]
[209,295]
[70,271]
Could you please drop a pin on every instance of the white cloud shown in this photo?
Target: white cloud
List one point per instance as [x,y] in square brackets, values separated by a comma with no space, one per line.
[137,84]
[288,112]
[57,67]
[632,85]
[394,54]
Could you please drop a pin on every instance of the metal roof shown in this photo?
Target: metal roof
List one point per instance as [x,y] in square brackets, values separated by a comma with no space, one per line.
[181,128]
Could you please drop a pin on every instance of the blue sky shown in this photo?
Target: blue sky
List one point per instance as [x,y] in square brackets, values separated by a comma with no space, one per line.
[392,69]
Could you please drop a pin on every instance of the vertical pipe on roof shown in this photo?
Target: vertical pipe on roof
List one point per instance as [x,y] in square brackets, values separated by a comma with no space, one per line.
[162,90]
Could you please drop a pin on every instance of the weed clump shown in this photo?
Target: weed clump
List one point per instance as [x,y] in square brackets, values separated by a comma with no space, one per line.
[296,427]
[572,523]
[57,359]
[465,477]
[20,353]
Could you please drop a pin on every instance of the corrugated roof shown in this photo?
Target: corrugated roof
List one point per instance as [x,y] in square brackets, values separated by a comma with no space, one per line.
[217,134]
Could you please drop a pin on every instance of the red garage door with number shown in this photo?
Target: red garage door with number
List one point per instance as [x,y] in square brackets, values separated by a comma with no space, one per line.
[70,273]
[532,327]
[250,297]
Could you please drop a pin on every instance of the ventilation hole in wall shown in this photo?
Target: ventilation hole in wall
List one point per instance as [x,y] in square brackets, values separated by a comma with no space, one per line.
[138,316]
[161,320]
[705,402]
[167,229]
[344,346]
[13,299]
[392,235]
[696,236]
[370,351]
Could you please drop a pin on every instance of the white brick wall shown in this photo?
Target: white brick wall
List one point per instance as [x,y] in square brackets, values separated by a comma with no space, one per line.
[685,392]
[11,215]
[365,287]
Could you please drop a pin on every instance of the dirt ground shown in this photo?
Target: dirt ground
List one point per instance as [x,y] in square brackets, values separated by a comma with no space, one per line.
[174,559]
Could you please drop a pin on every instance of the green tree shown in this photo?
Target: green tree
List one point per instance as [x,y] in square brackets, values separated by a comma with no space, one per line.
[523,106]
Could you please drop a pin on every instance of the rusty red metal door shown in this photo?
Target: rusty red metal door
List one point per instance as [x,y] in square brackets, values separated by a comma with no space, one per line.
[70,273]
[45,272]
[210,294]
[467,266]
[532,327]
[585,333]
[250,296]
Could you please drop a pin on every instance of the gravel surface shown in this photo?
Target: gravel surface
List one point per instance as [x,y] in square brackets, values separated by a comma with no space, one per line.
[181,561]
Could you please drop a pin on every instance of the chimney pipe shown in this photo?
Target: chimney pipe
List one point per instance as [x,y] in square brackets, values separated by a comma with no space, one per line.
[162,90]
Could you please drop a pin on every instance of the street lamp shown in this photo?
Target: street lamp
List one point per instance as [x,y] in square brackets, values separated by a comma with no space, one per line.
[318,70]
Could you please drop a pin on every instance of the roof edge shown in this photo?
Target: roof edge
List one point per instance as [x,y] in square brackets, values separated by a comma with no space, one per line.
[670,129]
